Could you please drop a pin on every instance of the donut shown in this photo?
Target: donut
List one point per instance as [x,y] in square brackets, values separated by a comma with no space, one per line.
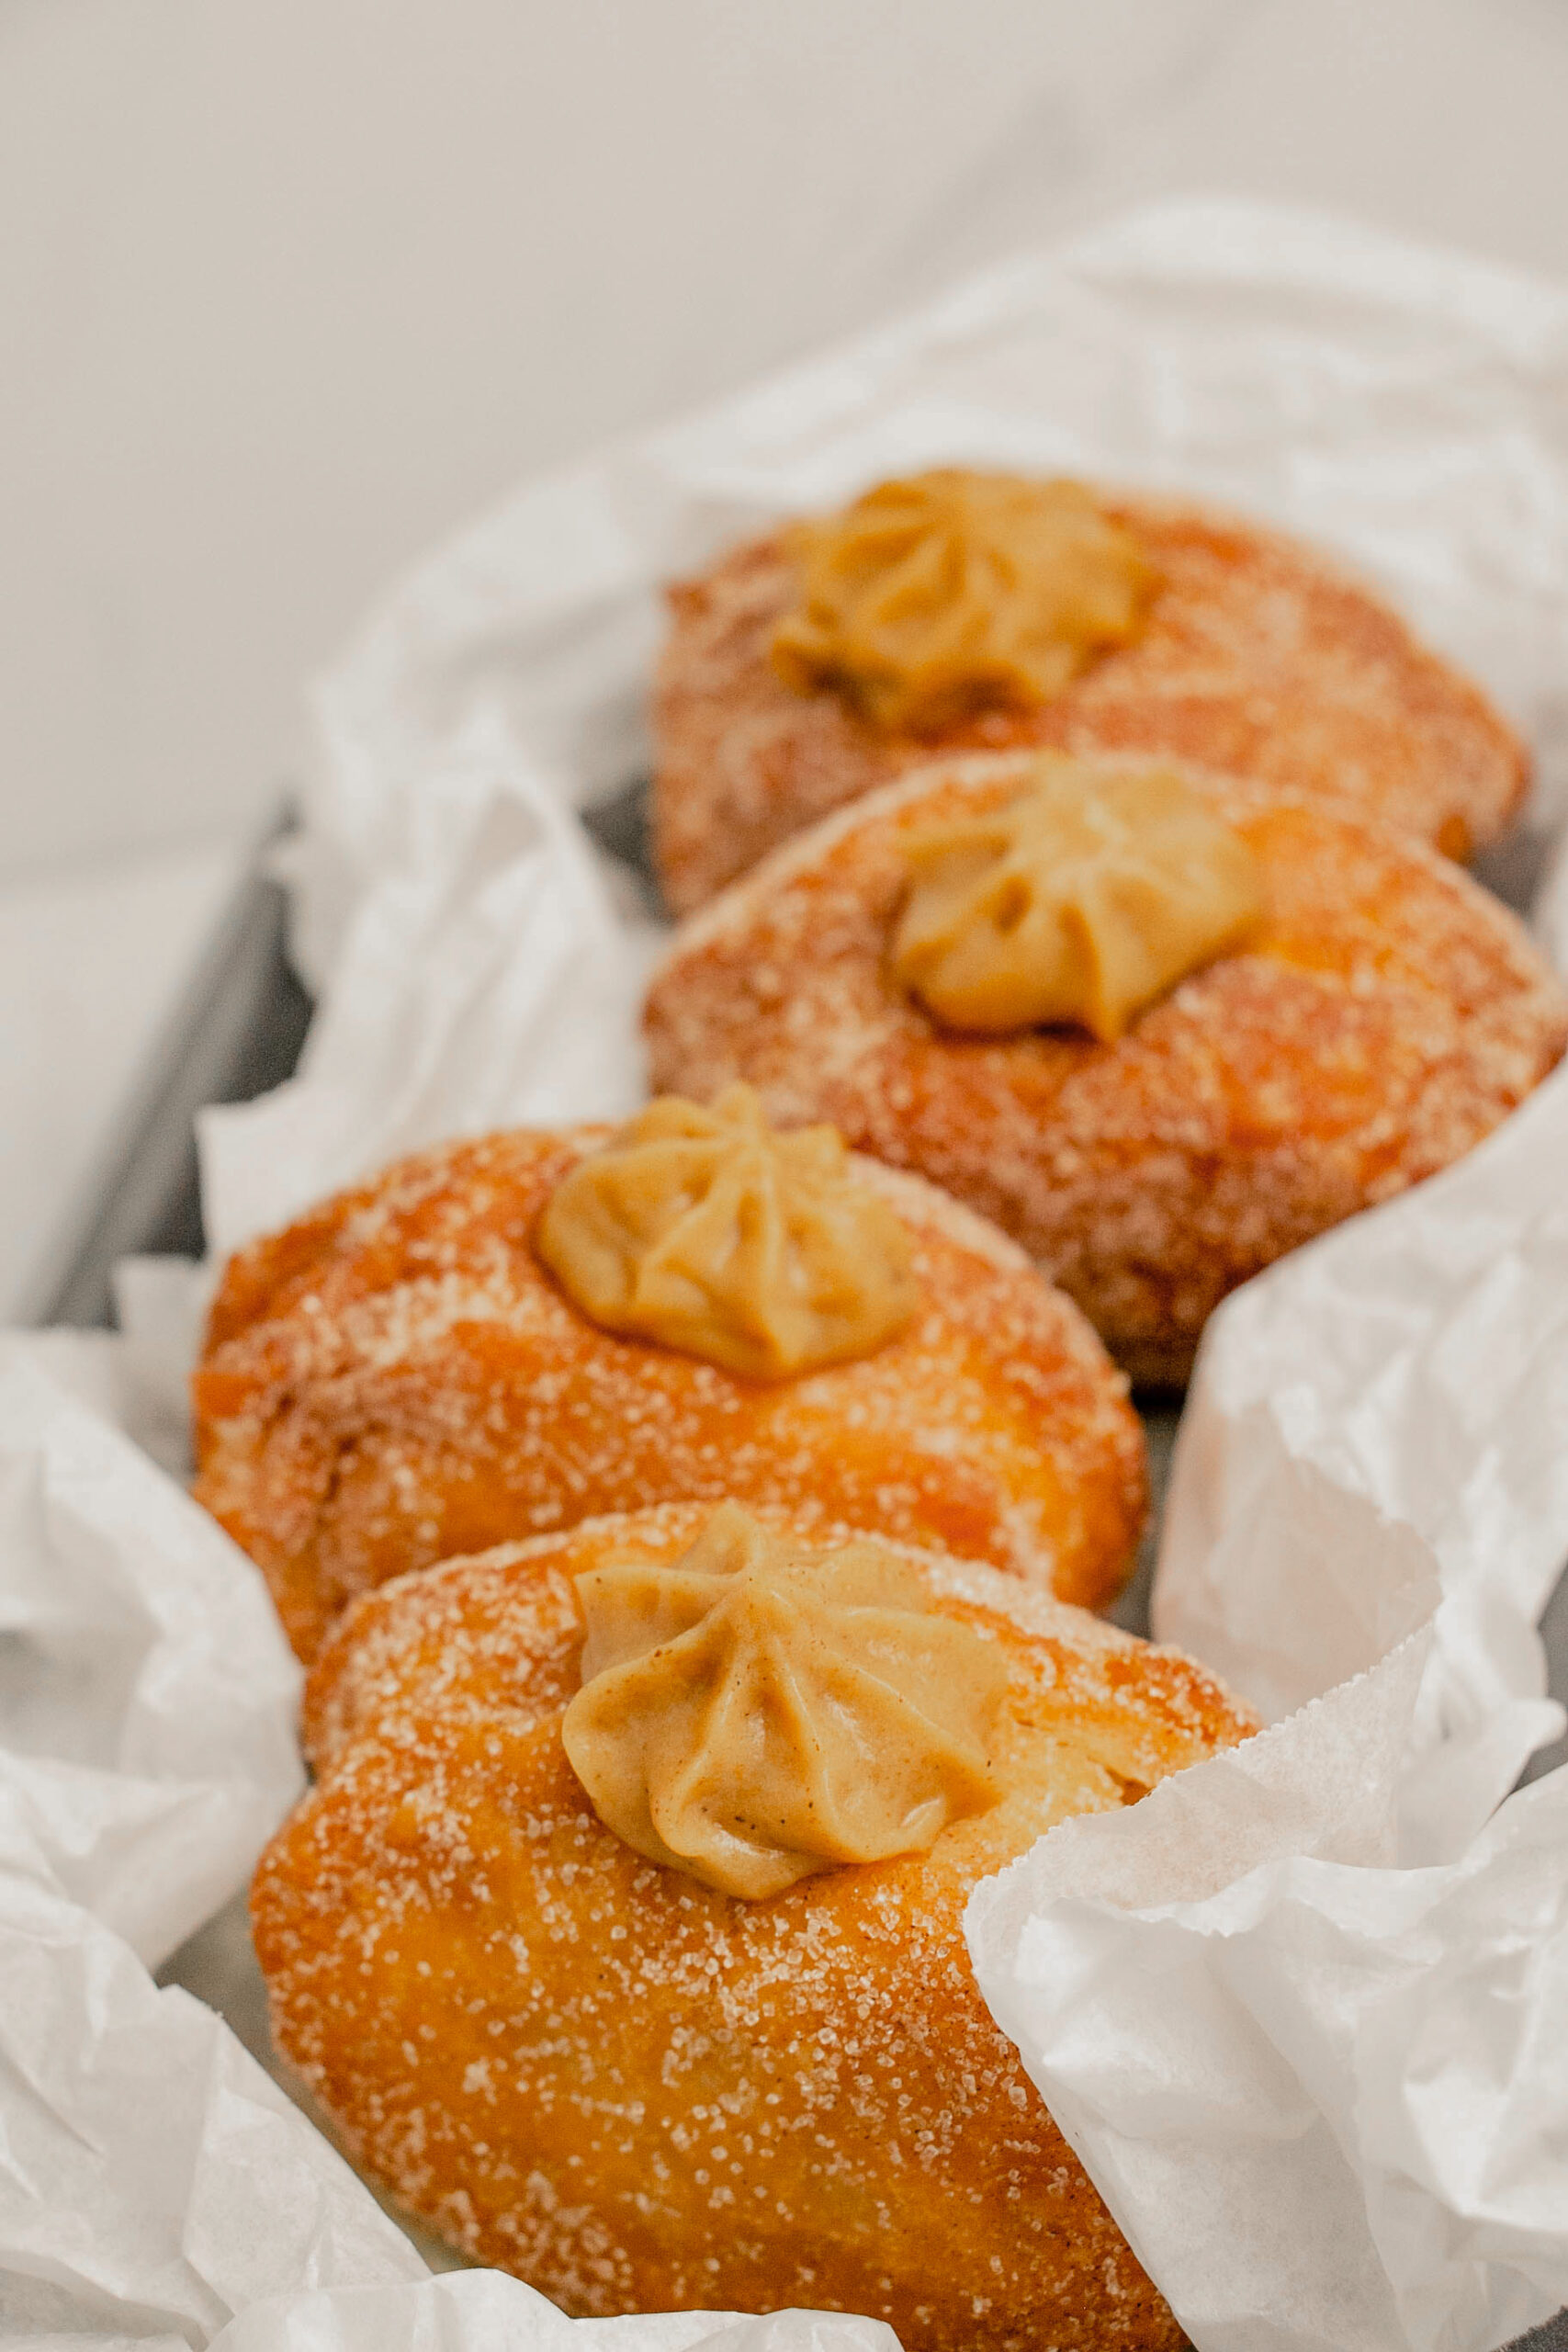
[637,2091]
[1386,1015]
[1258,656]
[398,1377]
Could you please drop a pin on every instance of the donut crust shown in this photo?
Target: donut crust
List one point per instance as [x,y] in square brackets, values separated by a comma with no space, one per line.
[395,1379]
[1260,658]
[638,2094]
[1390,1014]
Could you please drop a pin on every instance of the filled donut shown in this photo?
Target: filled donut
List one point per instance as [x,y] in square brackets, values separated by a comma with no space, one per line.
[621,1936]
[959,610]
[502,1337]
[1160,1025]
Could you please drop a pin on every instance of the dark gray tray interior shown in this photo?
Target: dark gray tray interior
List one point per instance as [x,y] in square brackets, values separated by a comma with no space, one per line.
[237,1031]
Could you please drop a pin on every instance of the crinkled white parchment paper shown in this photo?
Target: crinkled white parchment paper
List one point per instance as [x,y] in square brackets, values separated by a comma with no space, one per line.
[1327,2099]
[153,2181]
[147,1696]
[486,979]
[483,2312]
[1419,1356]
[1266,2039]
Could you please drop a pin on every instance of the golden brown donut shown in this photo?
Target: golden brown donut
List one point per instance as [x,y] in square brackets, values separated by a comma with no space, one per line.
[395,1379]
[1260,658]
[1389,1016]
[638,2094]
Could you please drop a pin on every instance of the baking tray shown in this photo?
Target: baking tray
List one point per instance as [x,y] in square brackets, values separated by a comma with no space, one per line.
[238,1030]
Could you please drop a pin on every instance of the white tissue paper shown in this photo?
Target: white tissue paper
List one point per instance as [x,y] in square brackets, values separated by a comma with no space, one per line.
[482,2312]
[147,1696]
[1419,1356]
[1325,2099]
[1320,2090]
[153,2181]
[485,978]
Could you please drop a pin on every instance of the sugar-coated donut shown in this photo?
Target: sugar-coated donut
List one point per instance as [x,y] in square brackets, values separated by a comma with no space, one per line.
[640,2094]
[1260,657]
[1387,1017]
[396,1378]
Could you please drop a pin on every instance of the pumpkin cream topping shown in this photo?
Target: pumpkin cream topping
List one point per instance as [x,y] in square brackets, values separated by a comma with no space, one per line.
[951,593]
[1083,900]
[755,1712]
[703,1229]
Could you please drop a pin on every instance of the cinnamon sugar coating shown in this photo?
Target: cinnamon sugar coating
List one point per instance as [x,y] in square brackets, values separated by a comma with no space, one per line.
[1388,1015]
[636,2093]
[753,1712]
[1258,657]
[395,1379]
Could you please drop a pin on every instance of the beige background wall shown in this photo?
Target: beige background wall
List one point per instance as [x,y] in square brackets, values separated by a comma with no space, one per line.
[289,287]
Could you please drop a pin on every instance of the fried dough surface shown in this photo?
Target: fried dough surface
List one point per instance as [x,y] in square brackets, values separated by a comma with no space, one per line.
[1389,1015]
[1259,657]
[395,1379]
[640,2094]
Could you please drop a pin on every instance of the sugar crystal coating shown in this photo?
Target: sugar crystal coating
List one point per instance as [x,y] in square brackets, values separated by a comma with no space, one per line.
[1385,1018]
[637,2093]
[1259,656]
[395,1379]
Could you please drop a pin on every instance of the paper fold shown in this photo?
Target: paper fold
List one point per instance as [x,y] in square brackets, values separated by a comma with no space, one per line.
[154,2181]
[1418,1356]
[481,2311]
[1326,2099]
[484,980]
[147,1697]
